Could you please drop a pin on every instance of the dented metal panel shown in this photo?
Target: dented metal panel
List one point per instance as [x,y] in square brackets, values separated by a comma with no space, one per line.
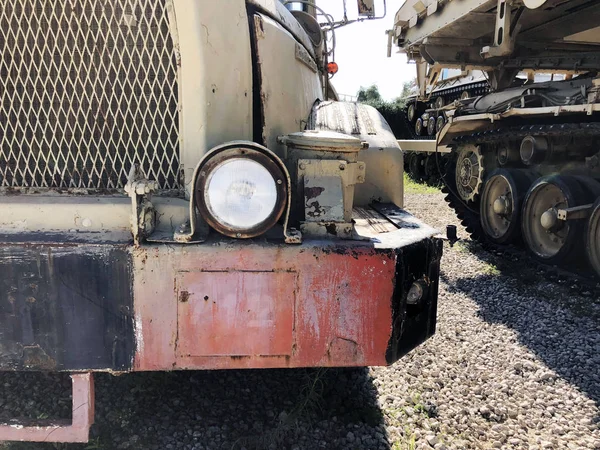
[341,292]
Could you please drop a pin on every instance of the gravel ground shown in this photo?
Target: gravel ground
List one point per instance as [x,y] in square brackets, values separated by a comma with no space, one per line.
[515,364]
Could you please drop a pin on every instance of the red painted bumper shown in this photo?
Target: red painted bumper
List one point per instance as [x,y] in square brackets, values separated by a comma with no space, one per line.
[236,305]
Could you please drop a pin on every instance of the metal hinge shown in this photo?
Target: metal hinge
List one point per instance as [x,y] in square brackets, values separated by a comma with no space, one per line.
[143,214]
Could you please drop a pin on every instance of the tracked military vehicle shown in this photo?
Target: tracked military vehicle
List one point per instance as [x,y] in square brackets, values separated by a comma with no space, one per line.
[525,161]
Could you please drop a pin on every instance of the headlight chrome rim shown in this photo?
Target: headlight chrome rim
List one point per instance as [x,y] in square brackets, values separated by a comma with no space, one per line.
[218,160]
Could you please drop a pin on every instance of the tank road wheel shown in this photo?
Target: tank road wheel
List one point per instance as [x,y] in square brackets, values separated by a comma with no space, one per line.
[593,238]
[548,238]
[439,102]
[469,172]
[439,123]
[432,174]
[419,126]
[501,202]
[431,126]
[465,95]
[411,112]
[417,166]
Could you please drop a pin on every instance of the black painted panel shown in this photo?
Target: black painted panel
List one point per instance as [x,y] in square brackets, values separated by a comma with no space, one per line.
[414,324]
[65,308]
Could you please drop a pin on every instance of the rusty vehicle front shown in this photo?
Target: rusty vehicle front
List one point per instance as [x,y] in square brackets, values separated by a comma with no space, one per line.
[180,189]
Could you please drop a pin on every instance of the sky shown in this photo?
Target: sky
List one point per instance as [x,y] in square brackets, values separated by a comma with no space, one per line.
[361,51]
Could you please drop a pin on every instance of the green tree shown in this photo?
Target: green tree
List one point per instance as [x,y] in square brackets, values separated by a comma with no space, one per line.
[392,110]
[370,95]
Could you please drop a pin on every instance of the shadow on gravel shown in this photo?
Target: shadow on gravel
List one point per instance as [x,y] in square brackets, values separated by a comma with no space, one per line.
[252,409]
[555,318]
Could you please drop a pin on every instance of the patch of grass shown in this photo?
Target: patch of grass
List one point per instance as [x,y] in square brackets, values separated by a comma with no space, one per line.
[413,187]
[491,269]
[462,247]
[95,444]
[408,442]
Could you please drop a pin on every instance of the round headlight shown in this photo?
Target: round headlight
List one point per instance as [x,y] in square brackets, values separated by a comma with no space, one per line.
[416,292]
[241,192]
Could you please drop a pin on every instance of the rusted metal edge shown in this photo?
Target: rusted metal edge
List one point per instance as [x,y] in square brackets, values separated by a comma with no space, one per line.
[77,431]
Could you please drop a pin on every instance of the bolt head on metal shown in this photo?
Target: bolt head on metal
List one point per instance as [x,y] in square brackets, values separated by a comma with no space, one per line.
[302,166]
[342,166]
[279,181]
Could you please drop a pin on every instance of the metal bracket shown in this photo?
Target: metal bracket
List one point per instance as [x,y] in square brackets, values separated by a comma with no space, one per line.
[328,195]
[196,229]
[422,77]
[577,212]
[77,431]
[504,41]
[143,214]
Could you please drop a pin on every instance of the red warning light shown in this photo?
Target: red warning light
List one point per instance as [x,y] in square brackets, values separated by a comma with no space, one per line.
[332,68]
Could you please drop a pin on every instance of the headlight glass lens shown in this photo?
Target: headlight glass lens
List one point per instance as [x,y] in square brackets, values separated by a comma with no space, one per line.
[241,193]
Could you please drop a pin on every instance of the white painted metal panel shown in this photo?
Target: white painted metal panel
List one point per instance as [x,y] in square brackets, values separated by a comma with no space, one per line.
[290,81]
[424,146]
[216,77]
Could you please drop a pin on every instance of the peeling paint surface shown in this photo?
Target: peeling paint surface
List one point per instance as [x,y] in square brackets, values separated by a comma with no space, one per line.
[336,300]
[235,313]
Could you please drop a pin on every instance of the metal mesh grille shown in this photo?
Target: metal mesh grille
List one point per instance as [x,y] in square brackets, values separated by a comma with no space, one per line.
[87,88]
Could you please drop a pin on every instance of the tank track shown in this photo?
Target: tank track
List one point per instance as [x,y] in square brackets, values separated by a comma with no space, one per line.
[453,93]
[585,282]
[590,129]
[404,129]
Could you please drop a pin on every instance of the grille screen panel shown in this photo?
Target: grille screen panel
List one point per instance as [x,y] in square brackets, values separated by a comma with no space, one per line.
[87,88]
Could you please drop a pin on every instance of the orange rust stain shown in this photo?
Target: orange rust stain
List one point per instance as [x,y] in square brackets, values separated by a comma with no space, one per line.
[308,310]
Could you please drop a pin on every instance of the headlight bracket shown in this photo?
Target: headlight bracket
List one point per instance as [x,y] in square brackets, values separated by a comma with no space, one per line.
[239,149]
